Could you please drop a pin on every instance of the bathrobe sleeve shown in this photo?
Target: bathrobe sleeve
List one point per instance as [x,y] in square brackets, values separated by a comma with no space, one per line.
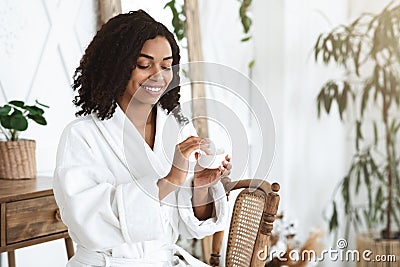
[99,214]
[189,226]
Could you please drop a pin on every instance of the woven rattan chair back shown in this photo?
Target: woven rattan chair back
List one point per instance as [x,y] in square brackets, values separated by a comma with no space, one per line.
[251,224]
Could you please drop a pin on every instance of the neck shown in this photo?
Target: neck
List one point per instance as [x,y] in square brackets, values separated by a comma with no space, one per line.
[138,113]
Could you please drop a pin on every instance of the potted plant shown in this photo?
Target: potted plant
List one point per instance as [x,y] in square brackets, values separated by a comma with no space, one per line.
[17,156]
[368,99]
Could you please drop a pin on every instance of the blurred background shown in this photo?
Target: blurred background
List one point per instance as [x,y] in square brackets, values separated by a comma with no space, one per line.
[42,41]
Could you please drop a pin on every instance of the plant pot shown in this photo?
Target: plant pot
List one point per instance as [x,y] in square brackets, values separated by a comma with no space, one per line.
[388,251]
[18,159]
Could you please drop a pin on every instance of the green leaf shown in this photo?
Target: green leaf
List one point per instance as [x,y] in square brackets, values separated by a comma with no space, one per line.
[393,127]
[251,64]
[365,96]
[376,171]
[185,73]
[342,99]
[327,103]
[375,134]
[16,112]
[317,47]
[177,23]
[333,222]
[242,11]
[5,122]
[367,181]
[355,22]
[345,193]
[18,122]
[43,105]
[367,218]
[245,39]
[378,201]
[38,119]
[5,110]
[396,129]
[358,181]
[320,99]
[17,103]
[326,56]
[335,48]
[247,2]
[357,59]
[169,4]
[33,110]
[359,135]
[331,93]
[246,21]
[357,216]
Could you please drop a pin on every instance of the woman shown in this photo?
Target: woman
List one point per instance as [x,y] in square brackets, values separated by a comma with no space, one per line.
[117,181]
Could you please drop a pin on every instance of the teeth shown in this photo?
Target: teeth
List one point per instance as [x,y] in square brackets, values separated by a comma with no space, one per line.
[153,89]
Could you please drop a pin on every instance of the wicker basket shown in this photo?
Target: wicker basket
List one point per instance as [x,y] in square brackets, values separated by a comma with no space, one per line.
[383,248]
[17,159]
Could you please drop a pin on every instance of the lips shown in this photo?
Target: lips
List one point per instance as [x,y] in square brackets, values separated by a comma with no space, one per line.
[153,88]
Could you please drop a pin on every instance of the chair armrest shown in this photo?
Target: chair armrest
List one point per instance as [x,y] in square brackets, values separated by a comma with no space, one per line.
[247,183]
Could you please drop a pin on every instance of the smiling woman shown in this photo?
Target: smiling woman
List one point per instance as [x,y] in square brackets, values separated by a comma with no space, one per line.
[151,75]
[120,50]
[124,201]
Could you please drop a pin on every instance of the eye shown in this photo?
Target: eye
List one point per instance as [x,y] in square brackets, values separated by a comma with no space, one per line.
[142,67]
[168,68]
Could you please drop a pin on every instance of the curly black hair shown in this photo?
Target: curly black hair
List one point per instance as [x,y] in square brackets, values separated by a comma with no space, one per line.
[106,66]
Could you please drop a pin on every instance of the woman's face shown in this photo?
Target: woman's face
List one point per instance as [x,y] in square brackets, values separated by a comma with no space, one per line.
[152,73]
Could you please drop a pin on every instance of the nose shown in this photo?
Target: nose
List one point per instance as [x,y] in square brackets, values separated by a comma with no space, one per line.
[157,75]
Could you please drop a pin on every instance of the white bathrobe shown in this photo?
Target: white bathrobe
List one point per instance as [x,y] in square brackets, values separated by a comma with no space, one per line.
[105,185]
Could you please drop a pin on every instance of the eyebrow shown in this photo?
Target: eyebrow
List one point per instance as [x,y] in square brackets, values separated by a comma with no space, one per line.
[152,58]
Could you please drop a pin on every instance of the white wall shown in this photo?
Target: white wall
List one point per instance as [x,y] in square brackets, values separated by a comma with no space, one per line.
[41,43]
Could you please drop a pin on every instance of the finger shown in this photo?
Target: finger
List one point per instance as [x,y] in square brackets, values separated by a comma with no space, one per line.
[227,157]
[221,169]
[205,141]
[227,165]
[226,173]
[197,143]
[189,149]
[189,142]
[190,138]
[196,155]
[190,145]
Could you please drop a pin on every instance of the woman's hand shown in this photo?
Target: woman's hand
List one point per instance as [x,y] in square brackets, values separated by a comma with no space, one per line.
[180,164]
[203,179]
[208,177]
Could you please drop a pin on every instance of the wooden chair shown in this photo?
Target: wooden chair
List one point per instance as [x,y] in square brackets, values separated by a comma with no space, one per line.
[251,224]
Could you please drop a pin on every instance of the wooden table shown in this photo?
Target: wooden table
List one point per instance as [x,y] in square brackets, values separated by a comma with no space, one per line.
[29,216]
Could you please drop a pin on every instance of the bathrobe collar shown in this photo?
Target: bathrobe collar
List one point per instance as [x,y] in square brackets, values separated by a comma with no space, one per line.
[130,147]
